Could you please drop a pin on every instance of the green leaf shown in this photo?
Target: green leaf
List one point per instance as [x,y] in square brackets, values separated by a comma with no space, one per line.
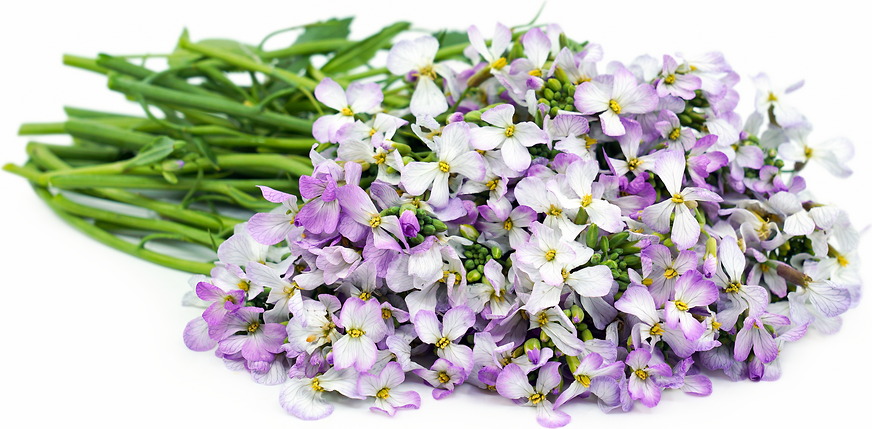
[361,52]
[330,29]
[183,57]
[153,152]
[450,38]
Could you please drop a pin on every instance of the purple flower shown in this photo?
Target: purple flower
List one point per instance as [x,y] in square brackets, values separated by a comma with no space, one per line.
[754,335]
[273,227]
[409,224]
[388,399]
[643,378]
[302,397]
[691,290]
[260,342]
[623,96]
[512,139]
[415,57]
[677,84]
[223,303]
[366,219]
[593,376]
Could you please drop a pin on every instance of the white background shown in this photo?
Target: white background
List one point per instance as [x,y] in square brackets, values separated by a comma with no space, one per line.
[94,337]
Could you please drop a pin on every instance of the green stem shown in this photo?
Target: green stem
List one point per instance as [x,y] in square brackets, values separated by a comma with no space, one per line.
[105,154]
[167,80]
[308,48]
[117,243]
[209,104]
[84,63]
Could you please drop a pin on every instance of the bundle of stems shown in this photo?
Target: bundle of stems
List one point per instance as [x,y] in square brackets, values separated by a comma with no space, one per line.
[205,141]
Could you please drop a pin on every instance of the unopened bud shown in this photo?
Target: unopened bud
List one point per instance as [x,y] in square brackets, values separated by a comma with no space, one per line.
[469,232]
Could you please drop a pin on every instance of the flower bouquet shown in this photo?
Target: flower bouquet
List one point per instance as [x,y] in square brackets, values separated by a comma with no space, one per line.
[509,213]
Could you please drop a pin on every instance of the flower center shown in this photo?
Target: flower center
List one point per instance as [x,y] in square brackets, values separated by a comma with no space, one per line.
[444,167]
[355,333]
[542,318]
[384,393]
[642,374]
[554,211]
[442,343]
[443,377]
[316,385]
[507,225]
[677,198]
[656,329]
[675,134]
[386,313]
[427,71]
[772,97]
[550,255]
[289,290]
[380,158]
[499,63]
[535,72]
[588,142]
[510,130]
[841,259]
[564,273]
[586,200]
[243,285]
[615,107]
[733,287]
[347,112]
[537,398]
[492,184]
[670,273]
[669,79]
[764,268]
[648,282]
[715,325]
[680,305]
[375,221]
[634,164]
[808,152]
[252,328]
[583,379]
[364,296]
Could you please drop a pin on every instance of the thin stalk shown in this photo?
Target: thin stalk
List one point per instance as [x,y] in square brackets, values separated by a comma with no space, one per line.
[84,63]
[167,80]
[302,145]
[308,48]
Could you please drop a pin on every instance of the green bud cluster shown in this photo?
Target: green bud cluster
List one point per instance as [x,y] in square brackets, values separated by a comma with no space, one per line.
[428,222]
[541,150]
[477,256]
[557,96]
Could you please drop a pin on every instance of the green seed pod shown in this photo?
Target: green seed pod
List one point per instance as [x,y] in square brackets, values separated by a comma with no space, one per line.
[569,100]
[613,256]
[473,276]
[469,254]
[617,251]
[779,163]
[633,261]
[586,335]
[543,336]
[619,238]
[480,267]
[622,265]
[571,91]
[416,240]
[562,76]
[567,313]
[596,258]
[543,101]
[558,95]
[496,252]
[428,230]
[592,235]
[554,84]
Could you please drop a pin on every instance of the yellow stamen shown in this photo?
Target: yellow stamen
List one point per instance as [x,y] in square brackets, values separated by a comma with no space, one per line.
[535,72]
[656,329]
[380,158]
[442,343]
[316,385]
[583,379]
[647,282]
[564,273]
[764,268]
[365,296]
[669,79]
[443,377]
[444,167]
[715,325]
[383,394]
[772,97]
[537,398]
[554,211]
[588,142]
[634,164]
[542,319]
[733,287]
[244,285]
[550,255]
[427,71]
[842,261]
[642,374]
[499,63]
[347,112]
[681,306]
[675,134]
[677,198]
[372,132]
[252,328]
[808,152]
[586,200]
[386,313]
[492,185]
[356,333]
[375,221]
[615,107]
[510,130]
[670,273]
[507,225]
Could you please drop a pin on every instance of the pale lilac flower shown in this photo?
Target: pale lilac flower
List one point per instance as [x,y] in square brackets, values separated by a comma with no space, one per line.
[241,248]
[644,378]
[637,301]
[670,168]
[260,342]
[691,290]
[492,55]
[196,335]
[754,335]
[677,84]
[594,376]
[665,270]
[512,139]
[798,221]
[454,156]
[302,397]
[559,329]
[443,376]
[512,383]
[578,70]
[445,337]
[580,178]
[491,295]
[670,129]
[273,227]
[351,149]
[337,262]
[366,218]
[313,328]
[827,298]
[629,142]
[537,48]
[285,295]
[223,302]
[570,133]
[738,296]
[358,98]
[623,96]
[416,57]
[833,155]
[500,219]
[547,253]
[363,328]
[382,387]
[773,98]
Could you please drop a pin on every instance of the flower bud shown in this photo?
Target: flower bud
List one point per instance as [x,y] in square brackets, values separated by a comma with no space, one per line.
[469,232]
[586,335]
[475,115]
[496,252]
[404,149]
[592,235]
[473,276]
[554,84]
[576,314]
